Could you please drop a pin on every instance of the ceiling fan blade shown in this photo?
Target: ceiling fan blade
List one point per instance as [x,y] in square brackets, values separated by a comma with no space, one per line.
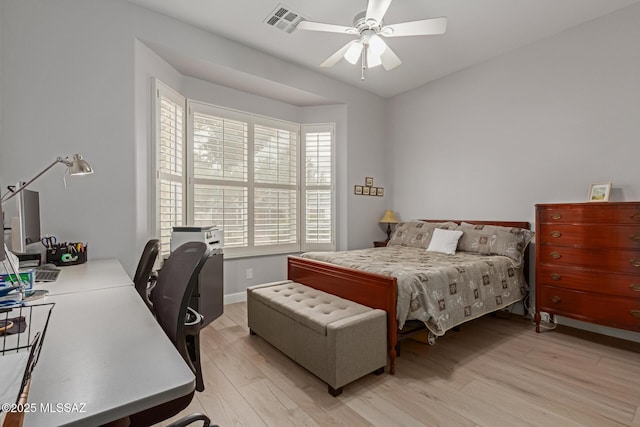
[321,26]
[331,61]
[376,9]
[426,27]
[389,59]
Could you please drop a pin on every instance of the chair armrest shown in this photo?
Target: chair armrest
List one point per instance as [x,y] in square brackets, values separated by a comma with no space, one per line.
[198,318]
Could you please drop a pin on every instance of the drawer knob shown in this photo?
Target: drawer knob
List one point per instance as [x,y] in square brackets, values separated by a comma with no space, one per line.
[557,300]
[556,255]
[557,277]
[558,234]
[635,237]
[558,216]
[635,262]
[635,216]
[634,287]
[635,313]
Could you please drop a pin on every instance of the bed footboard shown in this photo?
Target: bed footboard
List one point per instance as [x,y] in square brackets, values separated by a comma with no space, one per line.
[372,290]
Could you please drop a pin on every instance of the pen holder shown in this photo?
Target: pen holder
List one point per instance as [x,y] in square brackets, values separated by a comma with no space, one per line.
[67,255]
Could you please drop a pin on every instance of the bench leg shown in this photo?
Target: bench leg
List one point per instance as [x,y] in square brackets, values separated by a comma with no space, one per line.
[251,332]
[335,392]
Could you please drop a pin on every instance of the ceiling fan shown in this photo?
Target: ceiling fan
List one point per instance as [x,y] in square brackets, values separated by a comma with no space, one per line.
[369,46]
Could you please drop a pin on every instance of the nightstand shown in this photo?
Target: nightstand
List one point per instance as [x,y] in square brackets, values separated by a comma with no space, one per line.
[379,244]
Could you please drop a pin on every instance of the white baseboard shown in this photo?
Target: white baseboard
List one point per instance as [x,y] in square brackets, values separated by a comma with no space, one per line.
[233,298]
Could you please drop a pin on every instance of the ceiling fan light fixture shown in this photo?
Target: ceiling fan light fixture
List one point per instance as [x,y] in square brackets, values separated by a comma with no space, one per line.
[353,53]
[373,59]
[377,45]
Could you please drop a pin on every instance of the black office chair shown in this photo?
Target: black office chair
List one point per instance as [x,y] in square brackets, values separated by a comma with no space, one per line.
[170,299]
[142,277]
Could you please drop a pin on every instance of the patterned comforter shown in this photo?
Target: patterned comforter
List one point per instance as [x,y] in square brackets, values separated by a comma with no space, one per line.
[441,290]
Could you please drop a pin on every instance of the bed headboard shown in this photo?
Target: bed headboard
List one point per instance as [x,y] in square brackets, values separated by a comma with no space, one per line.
[517,224]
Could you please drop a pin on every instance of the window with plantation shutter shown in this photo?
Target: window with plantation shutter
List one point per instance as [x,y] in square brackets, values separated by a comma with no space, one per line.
[170,163]
[275,154]
[220,186]
[269,184]
[317,187]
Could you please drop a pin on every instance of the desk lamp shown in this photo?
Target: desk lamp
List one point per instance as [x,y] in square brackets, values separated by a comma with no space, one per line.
[389,218]
[75,166]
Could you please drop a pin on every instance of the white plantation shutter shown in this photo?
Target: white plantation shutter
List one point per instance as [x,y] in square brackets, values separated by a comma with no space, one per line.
[317,187]
[244,179]
[275,157]
[170,161]
[220,159]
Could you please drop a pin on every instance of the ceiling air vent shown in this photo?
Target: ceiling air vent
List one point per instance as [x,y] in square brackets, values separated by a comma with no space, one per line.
[283,18]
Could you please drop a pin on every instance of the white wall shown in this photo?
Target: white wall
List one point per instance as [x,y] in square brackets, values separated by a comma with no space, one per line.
[534,126]
[537,125]
[74,79]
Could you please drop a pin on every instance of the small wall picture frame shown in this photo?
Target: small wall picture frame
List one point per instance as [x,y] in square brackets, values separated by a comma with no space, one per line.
[366,191]
[380,191]
[368,181]
[599,192]
[374,191]
[357,190]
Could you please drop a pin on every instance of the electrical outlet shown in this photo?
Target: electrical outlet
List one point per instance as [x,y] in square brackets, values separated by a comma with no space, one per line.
[249,273]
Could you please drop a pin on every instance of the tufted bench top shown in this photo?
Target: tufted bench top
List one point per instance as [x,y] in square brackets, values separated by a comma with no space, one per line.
[310,307]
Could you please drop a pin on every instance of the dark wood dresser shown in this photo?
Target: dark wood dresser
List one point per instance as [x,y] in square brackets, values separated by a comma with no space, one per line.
[588,262]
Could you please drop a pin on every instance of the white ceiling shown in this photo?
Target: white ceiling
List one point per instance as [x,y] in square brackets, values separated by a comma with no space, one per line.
[476,31]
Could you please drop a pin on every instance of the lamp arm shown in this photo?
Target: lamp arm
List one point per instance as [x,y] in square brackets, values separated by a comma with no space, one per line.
[9,195]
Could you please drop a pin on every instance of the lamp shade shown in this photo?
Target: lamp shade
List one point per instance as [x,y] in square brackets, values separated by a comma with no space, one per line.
[353,53]
[389,218]
[79,166]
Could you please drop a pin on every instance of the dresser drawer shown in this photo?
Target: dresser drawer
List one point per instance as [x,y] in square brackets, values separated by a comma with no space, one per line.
[594,236]
[583,280]
[614,261]
[612,311]
[610,213]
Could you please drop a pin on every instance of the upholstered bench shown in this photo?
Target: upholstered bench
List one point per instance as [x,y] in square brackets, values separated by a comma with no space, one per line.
[336,339]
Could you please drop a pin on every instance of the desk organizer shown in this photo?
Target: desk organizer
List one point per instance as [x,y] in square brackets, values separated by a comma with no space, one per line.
[62,255]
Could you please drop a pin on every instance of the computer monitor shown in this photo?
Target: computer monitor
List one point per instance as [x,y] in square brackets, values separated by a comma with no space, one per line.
[25,229]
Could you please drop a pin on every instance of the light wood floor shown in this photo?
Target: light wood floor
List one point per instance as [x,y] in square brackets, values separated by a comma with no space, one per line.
[494,372]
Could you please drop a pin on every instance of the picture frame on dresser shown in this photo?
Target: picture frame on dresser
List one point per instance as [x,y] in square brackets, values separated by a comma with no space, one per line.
[599,192]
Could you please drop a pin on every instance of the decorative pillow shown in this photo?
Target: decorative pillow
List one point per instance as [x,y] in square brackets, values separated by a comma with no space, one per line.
[417,233]
[444,241]
[495,240]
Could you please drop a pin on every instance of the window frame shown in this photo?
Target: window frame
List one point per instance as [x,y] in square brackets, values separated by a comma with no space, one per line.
[191,107]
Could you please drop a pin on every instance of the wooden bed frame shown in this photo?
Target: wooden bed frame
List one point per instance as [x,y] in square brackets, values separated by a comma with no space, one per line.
[370,289]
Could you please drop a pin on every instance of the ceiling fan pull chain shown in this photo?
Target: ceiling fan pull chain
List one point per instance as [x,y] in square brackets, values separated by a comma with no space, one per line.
[364,62]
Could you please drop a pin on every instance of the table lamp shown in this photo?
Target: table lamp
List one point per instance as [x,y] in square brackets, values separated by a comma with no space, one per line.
[389,218]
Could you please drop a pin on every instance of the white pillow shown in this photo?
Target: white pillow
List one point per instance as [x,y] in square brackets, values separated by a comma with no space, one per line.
[445,241]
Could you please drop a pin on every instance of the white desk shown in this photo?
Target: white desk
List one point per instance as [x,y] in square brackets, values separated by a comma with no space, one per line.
[90,276]
[103,348]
